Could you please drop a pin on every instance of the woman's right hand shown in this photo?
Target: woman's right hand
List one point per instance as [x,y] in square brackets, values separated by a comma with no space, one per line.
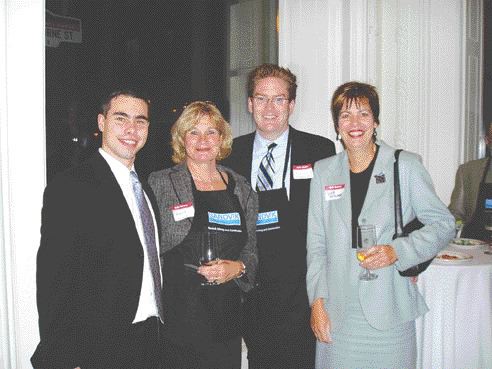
[320,321]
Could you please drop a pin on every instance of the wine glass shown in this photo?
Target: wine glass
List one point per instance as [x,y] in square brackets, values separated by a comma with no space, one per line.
[208,251]
[366,237]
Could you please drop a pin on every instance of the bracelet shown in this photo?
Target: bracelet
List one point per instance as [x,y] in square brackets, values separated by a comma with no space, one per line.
[242,271]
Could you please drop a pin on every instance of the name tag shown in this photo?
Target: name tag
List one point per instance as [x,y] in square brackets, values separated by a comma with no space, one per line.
[183,211]
[224,219]
[488,204]
[304,171]
[268,217]
[334,192]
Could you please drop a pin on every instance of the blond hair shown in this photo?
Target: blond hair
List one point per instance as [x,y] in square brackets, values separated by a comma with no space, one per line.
[189,118]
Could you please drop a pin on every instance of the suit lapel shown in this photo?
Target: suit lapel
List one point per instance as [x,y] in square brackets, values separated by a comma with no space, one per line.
[247,156]
[297,156]
[180,179]
[341,176]
[382,167]
[112,196]
[109,185]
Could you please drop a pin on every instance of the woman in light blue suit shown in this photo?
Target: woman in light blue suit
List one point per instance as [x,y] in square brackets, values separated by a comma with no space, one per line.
[359,323]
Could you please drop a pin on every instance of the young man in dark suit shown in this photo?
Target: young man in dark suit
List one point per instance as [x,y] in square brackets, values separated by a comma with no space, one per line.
[98,273]
[278,160]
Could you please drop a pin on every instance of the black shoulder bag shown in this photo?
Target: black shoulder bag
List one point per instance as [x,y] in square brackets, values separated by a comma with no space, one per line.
[401,231]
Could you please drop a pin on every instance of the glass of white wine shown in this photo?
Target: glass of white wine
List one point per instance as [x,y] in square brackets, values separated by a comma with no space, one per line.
[366,237]
[208,247]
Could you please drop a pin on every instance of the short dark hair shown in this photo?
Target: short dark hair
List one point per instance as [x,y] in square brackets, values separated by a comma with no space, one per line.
[354,92]
[106,101]
[272,70]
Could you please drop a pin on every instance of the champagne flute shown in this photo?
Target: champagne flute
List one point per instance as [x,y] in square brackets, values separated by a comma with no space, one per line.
[208,251]
[366,237]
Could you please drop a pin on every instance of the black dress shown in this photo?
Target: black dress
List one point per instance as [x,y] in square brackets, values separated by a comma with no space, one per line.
[202,325]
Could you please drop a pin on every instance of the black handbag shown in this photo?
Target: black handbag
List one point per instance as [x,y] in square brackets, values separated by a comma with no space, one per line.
[404,231]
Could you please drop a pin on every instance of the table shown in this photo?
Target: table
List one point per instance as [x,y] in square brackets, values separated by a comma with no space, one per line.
[457,331]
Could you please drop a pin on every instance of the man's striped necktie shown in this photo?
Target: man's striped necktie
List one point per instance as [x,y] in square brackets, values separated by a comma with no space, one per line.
[264,181]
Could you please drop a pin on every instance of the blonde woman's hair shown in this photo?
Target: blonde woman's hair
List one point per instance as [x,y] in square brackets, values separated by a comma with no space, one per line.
[189,118]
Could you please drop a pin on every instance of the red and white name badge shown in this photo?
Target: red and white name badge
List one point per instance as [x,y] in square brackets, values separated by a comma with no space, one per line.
[183,211]
[334,192]
[304,171]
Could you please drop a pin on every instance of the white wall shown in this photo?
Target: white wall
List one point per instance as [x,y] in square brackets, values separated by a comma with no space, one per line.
[22,163]
[422,89]
[410,50]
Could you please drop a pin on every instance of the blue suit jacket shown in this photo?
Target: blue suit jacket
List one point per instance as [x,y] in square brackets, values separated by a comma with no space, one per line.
[390,299]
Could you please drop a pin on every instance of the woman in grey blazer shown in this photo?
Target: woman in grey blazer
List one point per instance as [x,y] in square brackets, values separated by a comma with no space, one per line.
[197,198]
[367,323]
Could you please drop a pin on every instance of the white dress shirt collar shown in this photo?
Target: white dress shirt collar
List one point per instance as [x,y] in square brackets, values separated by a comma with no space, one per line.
[147,303]
[260,148]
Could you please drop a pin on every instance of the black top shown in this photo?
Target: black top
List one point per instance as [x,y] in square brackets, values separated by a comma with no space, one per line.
[199,314]
[359,183]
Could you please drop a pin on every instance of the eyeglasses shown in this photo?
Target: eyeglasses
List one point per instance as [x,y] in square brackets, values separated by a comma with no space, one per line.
[263,100]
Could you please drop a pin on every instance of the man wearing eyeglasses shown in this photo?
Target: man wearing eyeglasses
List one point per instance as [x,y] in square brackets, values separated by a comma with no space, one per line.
[278,160]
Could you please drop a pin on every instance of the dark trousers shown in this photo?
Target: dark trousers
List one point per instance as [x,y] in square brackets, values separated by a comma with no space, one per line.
[137,347]
[206,355]
[277,331]
[145,345]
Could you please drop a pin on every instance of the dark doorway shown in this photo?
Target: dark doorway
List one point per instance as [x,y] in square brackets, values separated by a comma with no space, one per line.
[175,50]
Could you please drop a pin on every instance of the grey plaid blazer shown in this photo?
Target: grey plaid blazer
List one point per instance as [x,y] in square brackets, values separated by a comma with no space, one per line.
[172,186]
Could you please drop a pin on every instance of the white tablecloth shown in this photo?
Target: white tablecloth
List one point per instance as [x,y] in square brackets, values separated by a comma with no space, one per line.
[457,331]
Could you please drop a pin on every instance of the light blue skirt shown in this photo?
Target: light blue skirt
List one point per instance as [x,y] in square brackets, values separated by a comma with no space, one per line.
[358,345]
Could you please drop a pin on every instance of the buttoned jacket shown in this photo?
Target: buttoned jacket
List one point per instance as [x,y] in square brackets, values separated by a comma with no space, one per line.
[390,299]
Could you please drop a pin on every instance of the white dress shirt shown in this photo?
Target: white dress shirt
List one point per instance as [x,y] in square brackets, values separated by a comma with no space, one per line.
[147,304]
[260,148]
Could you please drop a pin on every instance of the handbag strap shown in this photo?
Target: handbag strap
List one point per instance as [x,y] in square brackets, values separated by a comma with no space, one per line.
[398,213]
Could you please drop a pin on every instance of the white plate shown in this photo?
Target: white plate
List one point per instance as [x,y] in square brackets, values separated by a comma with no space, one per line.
[467,243]
[452,257]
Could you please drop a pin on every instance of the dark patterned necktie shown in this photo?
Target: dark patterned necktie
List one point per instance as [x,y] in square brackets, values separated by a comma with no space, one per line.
[149,236]
[266,171]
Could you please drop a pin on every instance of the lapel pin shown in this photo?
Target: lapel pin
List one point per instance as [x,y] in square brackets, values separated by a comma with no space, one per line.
[380,178]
